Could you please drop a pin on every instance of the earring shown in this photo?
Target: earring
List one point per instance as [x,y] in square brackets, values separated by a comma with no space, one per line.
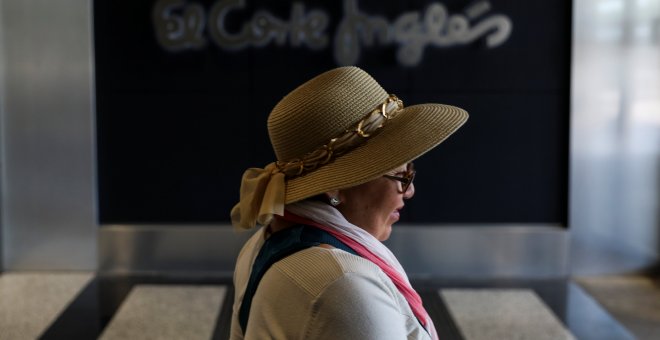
[334,201]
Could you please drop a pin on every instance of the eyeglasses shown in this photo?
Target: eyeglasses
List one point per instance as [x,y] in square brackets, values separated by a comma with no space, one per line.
[406,180]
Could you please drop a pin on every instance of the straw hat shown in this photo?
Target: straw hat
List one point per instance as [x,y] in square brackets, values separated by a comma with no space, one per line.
[338,130]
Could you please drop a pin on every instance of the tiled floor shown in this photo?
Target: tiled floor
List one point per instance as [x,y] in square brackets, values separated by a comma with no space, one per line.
[634,300]
[499,313]
[30,302]
[148,310]
[84,306]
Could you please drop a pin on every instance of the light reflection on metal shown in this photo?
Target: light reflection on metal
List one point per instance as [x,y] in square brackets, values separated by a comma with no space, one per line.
[179,25]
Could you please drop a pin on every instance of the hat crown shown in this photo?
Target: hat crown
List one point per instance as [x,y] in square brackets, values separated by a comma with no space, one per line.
[321,109]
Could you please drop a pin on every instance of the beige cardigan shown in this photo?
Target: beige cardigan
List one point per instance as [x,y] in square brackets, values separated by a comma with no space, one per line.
[320,293]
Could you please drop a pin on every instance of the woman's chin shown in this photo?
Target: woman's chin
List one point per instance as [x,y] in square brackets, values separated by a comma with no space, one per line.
[385,234]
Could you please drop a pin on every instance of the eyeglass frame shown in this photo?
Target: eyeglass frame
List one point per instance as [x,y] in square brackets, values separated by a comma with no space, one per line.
[405,180]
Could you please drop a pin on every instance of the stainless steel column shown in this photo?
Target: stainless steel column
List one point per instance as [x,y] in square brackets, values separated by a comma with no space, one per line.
[2,102]
[615,155]
[47,139]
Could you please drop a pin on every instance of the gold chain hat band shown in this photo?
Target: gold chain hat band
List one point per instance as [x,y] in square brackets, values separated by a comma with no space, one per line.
[369,126]
[263,190]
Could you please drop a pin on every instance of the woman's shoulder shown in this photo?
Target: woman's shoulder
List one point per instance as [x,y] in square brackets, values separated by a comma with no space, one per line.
[345,291]
[315,268]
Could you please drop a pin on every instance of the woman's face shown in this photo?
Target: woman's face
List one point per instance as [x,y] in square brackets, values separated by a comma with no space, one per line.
[374,206]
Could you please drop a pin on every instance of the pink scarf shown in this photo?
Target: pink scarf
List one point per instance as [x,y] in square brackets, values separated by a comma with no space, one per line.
[414,300]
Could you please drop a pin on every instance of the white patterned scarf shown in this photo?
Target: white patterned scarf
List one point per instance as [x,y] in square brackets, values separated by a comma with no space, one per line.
[330,217]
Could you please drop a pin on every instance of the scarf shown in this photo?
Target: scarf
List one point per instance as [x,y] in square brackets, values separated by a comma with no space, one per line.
[325,217]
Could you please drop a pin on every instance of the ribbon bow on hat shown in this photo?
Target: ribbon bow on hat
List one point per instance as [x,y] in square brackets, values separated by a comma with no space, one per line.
[262,196]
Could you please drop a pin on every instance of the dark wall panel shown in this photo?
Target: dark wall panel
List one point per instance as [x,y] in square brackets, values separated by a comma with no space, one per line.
[180,116]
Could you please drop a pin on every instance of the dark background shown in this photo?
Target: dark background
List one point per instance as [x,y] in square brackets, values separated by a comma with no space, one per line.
[176,130]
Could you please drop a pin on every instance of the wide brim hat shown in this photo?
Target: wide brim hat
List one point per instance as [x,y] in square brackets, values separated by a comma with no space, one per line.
[338,130]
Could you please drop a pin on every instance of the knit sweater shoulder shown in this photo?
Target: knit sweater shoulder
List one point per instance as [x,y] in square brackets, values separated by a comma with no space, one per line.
[321,293]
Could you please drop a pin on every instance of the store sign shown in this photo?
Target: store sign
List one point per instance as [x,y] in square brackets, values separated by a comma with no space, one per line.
[181,25]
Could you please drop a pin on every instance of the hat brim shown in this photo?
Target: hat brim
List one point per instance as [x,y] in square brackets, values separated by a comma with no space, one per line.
[413,132]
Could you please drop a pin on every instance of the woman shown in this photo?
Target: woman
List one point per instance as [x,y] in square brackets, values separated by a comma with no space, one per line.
[317,268]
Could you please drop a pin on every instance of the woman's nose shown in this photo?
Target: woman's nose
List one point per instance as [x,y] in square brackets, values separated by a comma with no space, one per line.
[410,192]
